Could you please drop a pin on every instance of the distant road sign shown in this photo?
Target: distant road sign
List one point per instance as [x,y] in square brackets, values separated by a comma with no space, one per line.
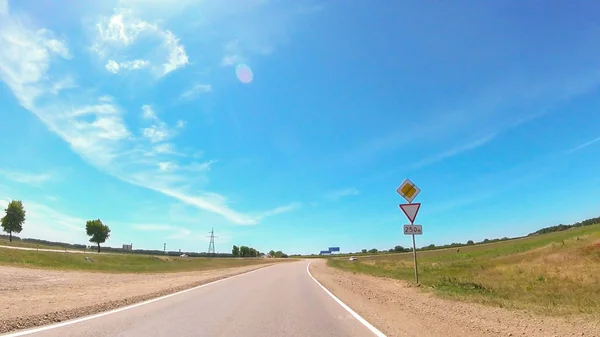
[408,190]
[334,249]
[410,210]
[324,252]
[413,229]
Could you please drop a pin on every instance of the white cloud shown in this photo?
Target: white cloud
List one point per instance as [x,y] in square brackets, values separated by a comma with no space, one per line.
[177,55]
[148,112]
[66,83]
[279,210]
[167,166]
[156,133]
[196,90]
[93,124]
[164,148]
[26,178]
[124,29]
[134,64]
[199,167]
[114,67]
[59,48]
[584,145]
[181,123]
[335,195]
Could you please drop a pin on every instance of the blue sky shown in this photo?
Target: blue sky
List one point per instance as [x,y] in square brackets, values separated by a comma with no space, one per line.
[130,111]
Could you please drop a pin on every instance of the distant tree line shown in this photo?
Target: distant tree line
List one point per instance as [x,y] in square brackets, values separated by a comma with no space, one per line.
[245,251]
[277,254]
[562,227]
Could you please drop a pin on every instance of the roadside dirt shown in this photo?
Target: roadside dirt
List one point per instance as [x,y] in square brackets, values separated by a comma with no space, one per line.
[398,309]
[32,297]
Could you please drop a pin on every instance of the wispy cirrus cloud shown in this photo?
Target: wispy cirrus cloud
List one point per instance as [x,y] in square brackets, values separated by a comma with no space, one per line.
[26,177]
[120,31]
[454,151]
[195,91]
[584,145]
[94,125]
[338,194]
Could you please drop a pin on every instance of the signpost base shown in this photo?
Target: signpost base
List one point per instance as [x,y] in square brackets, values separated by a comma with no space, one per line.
[415,259]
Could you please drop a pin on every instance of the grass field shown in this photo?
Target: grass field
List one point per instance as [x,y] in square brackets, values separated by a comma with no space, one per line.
[557,273]
[119,263]
[25,244]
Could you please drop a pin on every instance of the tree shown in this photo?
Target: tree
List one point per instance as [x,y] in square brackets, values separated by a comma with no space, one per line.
[272,253]
[470,242]
[244,251]
[14,218]
[235,250]
[98,231]
[363,251]
[398,249]
[373,251]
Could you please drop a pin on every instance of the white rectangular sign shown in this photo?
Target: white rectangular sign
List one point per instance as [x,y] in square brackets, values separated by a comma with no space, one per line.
[413,229]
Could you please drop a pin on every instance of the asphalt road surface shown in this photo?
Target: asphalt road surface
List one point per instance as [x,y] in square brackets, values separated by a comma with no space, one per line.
[281,300]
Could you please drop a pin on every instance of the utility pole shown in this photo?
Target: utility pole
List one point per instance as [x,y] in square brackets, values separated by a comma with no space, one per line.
[211,244]
[165,248]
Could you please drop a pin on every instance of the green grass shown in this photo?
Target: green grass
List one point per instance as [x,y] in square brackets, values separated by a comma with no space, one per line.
[557,273]
[119,263]
[25,244]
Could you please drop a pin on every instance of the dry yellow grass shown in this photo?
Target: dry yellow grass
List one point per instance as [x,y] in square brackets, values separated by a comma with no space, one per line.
[557,273]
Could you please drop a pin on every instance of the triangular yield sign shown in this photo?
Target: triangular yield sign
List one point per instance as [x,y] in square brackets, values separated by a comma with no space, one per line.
[411,210]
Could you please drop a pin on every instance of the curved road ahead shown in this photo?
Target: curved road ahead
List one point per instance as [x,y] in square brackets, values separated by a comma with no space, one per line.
[281,300]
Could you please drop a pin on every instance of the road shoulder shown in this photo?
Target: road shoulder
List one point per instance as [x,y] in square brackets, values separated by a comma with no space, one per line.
[34,297]
[398,309]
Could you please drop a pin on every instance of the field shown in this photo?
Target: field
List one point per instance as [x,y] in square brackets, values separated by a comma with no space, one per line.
[25,244]
[557,273]
[119,263]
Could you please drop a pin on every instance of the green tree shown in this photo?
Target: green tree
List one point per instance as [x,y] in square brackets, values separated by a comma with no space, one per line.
[98,231]
[235,250]
[244,251]
[470,242]
[14,218]
[373,251]
[398,249]
[363,251]
[272,253]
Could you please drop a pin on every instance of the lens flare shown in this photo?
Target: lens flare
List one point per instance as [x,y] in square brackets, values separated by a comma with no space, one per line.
[244,73]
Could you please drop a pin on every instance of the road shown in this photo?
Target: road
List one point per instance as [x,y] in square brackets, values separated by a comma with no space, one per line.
[281,300]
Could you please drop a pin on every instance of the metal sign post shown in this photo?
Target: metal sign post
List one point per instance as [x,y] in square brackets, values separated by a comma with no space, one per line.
[409,192]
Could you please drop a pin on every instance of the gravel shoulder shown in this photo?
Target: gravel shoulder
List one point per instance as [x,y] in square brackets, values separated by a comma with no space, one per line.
[399,309]
[33,297]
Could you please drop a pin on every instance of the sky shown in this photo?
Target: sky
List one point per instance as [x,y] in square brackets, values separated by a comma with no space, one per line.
[135,112]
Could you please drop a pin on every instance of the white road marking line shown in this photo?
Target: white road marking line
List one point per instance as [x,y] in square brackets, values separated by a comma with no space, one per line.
[352,312]
[114,311]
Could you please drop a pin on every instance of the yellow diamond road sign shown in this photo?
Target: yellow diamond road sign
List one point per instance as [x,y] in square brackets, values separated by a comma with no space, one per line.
[408,190]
